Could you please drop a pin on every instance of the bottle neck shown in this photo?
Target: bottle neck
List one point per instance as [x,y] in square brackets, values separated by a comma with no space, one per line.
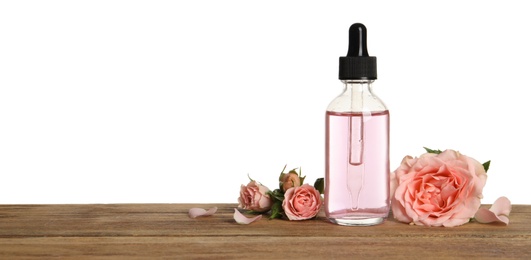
[358,85]
[358,82]
[357,96]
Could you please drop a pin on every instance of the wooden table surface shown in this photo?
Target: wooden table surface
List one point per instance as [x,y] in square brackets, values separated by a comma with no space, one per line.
[165,231]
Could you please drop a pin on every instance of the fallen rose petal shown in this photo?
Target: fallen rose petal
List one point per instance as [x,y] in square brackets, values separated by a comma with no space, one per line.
[241,219]
[498,212]
[199,212]
[502,206]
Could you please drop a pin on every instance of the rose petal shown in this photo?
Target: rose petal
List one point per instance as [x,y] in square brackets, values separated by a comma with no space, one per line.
[498,212]
[502,206]
[241,219]
[198,212]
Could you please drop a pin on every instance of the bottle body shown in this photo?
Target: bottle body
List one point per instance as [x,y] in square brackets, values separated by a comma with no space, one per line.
[357,157]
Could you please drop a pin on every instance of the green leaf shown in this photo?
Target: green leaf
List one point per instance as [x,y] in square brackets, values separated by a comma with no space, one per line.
[486,165]
[428,150]
[319,185]
[276,210]
[253,212]
[277,195]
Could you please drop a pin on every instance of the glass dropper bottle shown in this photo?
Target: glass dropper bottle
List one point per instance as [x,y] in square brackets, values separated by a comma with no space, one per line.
[357,142]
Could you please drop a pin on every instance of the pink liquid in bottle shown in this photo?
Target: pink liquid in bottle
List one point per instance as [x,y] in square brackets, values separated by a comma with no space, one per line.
[357,167]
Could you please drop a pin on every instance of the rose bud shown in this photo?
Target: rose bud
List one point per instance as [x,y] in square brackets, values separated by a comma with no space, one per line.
[289,180]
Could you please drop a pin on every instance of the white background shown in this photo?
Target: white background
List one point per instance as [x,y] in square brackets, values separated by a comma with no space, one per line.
[177,101]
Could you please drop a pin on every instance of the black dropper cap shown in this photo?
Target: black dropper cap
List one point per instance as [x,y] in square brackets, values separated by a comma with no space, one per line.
[357,64]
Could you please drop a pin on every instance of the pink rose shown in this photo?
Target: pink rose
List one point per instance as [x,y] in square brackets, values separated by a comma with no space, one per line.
[254,197]
[303,202]
[437,189]
[289,180]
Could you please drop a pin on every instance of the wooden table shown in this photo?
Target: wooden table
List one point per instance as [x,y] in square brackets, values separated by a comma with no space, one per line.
[165,230]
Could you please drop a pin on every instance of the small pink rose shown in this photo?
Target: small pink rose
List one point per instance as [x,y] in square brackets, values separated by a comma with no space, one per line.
[253,196]
[437,189]
[303,202]
[498,212]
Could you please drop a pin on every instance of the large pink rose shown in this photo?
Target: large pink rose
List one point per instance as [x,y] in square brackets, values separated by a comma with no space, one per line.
[253,196]
[437,189]
[303,202]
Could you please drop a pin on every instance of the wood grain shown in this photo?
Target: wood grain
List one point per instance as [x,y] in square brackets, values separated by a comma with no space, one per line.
[166,231]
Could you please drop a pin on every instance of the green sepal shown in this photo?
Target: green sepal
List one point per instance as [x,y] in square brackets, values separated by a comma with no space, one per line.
[248,176]
[282,173]
[486,165]
[428,150]
[280,177]
[300,175]
[319,185]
